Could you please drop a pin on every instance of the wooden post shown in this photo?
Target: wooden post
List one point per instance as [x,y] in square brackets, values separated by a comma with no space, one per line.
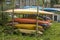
[43,4]
[19,3]
[53,17]
[37,17]
[13,12]
[2,10]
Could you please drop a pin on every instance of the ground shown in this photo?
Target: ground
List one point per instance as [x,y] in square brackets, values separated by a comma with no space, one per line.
[53,33]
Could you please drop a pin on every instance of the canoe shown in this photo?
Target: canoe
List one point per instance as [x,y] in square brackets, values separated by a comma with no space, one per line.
[29,21]
[29,26]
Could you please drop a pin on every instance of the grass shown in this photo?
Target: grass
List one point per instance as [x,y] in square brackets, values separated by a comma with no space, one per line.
[53,33]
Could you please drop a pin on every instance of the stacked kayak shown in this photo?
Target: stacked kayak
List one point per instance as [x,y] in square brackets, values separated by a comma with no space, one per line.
[32,21]
[29,26]
[29,21]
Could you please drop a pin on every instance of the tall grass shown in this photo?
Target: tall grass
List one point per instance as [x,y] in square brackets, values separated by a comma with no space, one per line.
[53,33]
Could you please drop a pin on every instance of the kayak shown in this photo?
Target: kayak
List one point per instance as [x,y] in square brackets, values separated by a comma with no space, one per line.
[28,11]
[28,26]
[26,31]
[29,21]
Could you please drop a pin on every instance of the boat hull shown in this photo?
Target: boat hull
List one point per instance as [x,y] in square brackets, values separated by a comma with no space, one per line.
[29,21]
[29,26]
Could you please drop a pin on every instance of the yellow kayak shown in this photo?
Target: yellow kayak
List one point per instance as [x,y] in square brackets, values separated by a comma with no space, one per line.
[28,26]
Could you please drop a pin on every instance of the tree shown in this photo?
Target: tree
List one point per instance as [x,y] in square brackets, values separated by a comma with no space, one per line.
[54,2]
[2,16]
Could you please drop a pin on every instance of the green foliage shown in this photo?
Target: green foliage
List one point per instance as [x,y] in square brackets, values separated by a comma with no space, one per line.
[3,16]
[54,2]
[1,1]
[3,19]
[11,30]
[8,30]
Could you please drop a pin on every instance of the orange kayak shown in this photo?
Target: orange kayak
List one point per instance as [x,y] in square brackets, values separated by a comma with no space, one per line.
[29,21]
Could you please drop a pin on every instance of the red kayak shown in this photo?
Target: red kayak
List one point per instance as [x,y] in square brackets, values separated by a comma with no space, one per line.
[29,21]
